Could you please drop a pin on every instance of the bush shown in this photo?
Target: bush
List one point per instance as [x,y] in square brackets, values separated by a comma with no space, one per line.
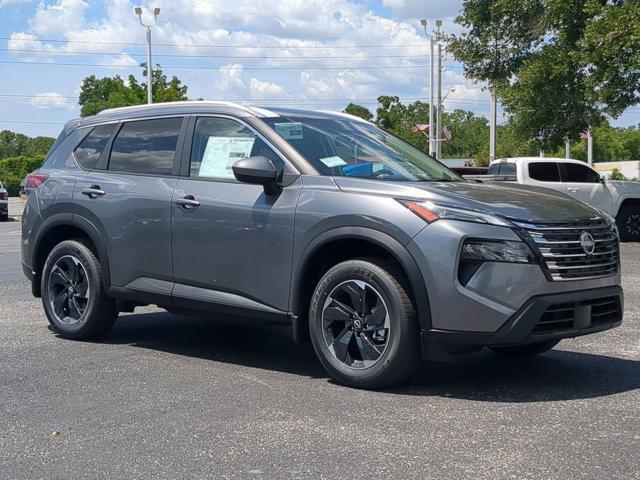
[14,169]
[616,174]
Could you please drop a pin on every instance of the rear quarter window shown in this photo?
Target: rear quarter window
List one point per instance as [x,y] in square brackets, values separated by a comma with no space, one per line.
[90,149]
[62,157]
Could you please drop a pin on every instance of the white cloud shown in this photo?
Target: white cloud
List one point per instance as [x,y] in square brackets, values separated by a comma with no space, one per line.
[58,18]
[415,9]
[4,3]
[49,100]
[260,89]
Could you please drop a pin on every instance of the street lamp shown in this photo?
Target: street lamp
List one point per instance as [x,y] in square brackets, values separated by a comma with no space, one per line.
[432,146]
[156,12]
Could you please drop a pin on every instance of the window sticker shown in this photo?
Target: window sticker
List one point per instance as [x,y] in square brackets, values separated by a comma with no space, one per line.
[221,153]
[289,131]
[333,162]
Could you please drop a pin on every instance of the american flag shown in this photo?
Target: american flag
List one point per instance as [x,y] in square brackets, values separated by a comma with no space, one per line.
[446,131]
[419,127]
[585,134]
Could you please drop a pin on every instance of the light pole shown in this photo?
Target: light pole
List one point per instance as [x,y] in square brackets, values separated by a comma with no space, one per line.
[156,12]
[438,111]
[432,143]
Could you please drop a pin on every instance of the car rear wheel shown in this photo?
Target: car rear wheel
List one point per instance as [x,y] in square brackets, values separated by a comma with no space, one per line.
[73,293]
[628,222]
[527,350]
[363,325]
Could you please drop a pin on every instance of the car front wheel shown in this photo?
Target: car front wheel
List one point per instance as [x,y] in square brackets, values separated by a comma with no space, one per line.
[363,325]
[73,293]
[628,221]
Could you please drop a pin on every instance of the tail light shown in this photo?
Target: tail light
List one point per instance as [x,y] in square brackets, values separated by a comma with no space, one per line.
[4,196]
[34,180]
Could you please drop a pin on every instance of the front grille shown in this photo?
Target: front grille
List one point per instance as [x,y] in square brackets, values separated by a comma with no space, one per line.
[563,255]
[579,315]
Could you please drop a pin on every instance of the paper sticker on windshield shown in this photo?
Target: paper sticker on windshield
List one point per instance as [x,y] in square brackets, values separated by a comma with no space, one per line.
[221,153]
[333,162]
[290,131]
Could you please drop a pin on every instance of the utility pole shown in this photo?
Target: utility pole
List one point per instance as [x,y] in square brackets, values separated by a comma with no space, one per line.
[439,105]
[432,143]
[493,117]
[156,12]
[589,147]
[567,148]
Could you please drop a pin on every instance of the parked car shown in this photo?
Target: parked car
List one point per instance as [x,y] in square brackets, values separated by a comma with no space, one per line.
[619,199]
[372,250]
[4,204]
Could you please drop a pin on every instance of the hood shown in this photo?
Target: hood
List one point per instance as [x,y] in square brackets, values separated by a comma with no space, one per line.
[513,201]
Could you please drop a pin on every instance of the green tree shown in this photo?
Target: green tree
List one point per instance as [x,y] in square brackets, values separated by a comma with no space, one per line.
[17,144]
[359,111]
[14,169]
[98,94]
[558,66]
[616,174]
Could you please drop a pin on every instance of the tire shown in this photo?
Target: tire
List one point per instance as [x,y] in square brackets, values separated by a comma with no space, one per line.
[628,221]
[87,312]
[4,217]
[384,348]
[528,350]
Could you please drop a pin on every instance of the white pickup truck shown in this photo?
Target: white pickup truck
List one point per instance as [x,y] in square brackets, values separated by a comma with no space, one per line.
[621,200]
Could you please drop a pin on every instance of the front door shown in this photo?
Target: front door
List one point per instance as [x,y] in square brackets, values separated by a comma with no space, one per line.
[232,243]
[584,184]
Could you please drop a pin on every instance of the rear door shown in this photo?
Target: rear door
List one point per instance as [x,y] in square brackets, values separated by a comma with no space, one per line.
[127,192]
[233,246]
[544,174]
[585,184]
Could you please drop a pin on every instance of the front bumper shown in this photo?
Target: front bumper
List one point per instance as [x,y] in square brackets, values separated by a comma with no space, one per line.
[545,317]
[4,208]
[500,297]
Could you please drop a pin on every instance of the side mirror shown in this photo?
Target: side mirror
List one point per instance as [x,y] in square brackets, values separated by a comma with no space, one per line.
[258,171]
[603,179]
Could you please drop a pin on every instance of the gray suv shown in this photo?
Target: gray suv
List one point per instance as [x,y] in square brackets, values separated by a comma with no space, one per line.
[372,250]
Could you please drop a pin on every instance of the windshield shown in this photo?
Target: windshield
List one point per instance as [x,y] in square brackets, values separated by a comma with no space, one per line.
[346,148]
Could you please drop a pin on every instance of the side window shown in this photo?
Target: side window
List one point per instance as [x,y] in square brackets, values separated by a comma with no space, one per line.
[92,146]
[219,142]
[146,146]
[574,173]
[493,169]
[61,157]
[544,171]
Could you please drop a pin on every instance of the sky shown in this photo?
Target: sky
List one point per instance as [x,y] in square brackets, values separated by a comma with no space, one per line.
[307,53]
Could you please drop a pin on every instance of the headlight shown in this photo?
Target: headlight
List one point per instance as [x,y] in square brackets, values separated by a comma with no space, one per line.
[431,212]
[496,251]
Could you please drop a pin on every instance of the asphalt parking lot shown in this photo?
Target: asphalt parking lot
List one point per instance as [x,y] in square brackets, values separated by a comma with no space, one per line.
[171,397]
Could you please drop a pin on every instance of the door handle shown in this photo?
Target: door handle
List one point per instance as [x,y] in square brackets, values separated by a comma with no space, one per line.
[188,202]
[574,190]
[93,191]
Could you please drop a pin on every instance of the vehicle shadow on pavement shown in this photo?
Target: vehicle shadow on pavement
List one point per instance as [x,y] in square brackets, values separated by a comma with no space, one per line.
[265,347]
[554,376]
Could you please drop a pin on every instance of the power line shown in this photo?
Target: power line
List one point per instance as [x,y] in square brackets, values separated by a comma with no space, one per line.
[196,67]
[172,55]
[187,45]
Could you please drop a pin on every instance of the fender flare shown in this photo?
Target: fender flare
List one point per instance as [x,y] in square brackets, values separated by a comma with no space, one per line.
[70,220]
[386,242]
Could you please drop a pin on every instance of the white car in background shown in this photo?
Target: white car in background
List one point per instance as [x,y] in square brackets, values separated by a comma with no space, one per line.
[619,199]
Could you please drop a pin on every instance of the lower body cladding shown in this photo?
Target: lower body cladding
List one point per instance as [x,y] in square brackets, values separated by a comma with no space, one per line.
[4,209]
[500,303]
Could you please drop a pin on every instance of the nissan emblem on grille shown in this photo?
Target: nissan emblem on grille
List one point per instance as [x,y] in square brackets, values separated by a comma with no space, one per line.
[587,243]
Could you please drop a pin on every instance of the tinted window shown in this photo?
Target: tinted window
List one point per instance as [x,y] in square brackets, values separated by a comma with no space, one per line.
[146,146]
[574,173]
[544,171]
[92,146]
[62,156]
[219,142]
[507,169]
